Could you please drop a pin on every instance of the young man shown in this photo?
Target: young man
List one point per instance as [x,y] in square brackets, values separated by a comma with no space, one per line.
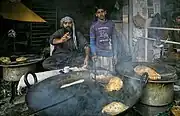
[69,46]
[103,41]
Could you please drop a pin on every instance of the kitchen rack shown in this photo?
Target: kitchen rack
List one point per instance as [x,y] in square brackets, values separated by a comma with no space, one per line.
[153,39]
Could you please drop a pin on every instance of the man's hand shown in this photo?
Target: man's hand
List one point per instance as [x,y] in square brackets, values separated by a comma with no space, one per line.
[114,61]
[94,58]
[86,61]
[65,37]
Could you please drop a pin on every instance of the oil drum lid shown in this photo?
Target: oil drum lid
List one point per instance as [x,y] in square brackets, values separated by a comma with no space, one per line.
[167,72]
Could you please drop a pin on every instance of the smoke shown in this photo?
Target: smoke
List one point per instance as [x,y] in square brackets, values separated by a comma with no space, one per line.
[125,68]
[123,53]
[85,99]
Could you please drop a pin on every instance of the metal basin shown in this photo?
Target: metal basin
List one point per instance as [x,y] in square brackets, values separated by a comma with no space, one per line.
[15,72]
[85,99]
[158,94]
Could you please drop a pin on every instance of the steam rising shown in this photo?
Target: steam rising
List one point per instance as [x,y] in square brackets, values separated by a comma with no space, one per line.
[125,68]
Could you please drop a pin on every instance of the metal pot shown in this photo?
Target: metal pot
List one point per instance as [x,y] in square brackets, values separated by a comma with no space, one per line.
[84,99]
[15,70]
[160,92]
[147,110]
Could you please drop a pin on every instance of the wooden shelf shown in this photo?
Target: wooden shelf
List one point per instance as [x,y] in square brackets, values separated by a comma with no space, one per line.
[41,26]
[46,12]
[40,34]
[41,37]
[41,31]
[43,8]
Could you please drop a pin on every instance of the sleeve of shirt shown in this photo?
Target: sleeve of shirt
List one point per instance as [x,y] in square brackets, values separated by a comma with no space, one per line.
[57,34]
[92,40]
[82,41]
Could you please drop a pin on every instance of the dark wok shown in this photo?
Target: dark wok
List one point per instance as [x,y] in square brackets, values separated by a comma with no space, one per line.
[86,99]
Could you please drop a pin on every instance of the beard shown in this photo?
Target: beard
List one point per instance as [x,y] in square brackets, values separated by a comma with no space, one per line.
[68,29]
[101,17]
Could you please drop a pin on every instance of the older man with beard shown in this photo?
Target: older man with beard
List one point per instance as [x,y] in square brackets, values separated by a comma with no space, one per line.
[70,47]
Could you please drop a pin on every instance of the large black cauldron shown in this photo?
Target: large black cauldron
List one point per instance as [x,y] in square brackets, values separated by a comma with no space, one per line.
[47,98]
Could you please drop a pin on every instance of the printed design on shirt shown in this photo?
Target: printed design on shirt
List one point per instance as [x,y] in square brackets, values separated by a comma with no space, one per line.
[104,38]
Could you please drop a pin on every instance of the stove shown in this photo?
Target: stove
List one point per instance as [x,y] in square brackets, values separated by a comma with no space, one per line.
[14,71]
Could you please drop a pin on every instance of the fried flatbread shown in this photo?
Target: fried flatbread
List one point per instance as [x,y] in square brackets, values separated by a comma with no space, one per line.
[115,84]
[21,59]
[5,60]
[114,108]
[175,110]
[153,75]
